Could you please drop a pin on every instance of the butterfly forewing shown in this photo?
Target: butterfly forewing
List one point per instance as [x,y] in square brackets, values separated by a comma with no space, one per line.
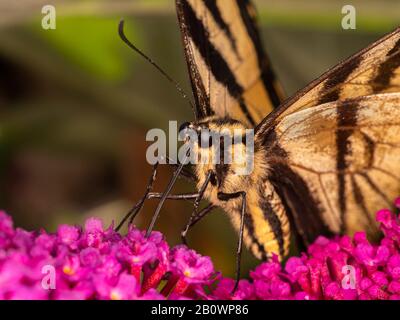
[375,69]
[230,73]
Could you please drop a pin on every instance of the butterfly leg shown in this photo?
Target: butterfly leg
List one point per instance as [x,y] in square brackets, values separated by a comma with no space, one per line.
[182,196]
[133,212]
[194,219]
[196,205]
[138,206]
[202,214]
[156,195]
[165,195]
[187,174]
[225,197]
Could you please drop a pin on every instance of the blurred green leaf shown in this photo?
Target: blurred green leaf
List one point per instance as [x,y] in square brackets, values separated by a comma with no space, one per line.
[93,44]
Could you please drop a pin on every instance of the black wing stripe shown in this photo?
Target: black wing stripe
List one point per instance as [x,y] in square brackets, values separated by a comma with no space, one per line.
[386,69]
[346,117]
[370,148]
[246,112]
[216,64]
[203,108]
[331,89]
[302,208]
[360,200]
[216,13]
[373,185]
[319,90]
[267,75]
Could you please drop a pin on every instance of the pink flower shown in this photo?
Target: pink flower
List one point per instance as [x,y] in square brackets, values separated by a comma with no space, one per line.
[110,267]
[137,249]
[83,290]
[385,217]
[68,234]
[397,202]
[393,266]
[93,233]
[98,263]
[6,224]
[191,266]
[125,288]
[90,257]
[223,290]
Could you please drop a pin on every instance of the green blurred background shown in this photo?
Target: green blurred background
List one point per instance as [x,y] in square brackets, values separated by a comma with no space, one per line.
[76,103]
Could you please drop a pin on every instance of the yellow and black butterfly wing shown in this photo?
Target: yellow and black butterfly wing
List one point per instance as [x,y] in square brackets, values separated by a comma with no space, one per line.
[340,187]
[376,69]
[336,143]
[229,71]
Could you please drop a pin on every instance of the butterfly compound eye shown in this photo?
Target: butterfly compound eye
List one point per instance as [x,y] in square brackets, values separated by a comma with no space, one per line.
[184,126]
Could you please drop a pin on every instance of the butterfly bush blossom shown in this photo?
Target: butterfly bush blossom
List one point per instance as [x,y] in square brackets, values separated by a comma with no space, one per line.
[98,263]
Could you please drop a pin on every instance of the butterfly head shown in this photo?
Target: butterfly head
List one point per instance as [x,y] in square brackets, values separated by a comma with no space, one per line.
[210,132]
[223,146]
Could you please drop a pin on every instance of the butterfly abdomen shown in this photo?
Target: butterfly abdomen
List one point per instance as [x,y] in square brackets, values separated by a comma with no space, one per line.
[266,224]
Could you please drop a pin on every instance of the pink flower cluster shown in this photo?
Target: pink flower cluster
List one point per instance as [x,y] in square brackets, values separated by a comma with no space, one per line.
[342,268]
[98,263]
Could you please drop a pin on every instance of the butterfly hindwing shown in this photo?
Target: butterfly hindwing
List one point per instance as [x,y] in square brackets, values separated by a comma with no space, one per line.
[334,146]
[343,192]
[230,73]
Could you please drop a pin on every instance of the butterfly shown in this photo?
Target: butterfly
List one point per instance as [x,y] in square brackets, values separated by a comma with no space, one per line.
[325,160]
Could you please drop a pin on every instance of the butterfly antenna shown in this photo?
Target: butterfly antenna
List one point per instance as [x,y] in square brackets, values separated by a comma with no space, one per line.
[155,65]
